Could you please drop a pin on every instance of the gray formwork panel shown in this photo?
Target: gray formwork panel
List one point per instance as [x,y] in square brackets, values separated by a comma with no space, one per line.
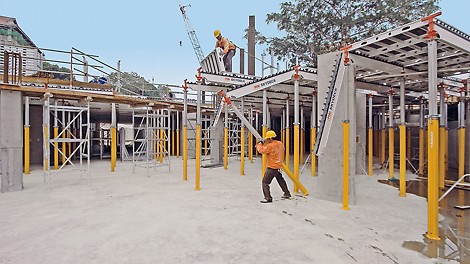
[11,141]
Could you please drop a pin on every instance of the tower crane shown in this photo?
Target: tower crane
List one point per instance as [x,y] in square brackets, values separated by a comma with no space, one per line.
[191,33]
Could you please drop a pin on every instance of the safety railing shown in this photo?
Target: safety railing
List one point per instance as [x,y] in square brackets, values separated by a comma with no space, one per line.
[72,69]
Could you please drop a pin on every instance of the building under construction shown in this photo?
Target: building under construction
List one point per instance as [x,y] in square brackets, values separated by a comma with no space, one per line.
[394,104]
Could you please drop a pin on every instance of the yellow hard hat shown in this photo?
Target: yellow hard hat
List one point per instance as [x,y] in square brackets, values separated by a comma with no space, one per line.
[270,134]
[216,33]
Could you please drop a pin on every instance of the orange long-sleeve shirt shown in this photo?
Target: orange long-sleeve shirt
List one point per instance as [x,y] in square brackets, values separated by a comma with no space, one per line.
[225,44]
[274,152]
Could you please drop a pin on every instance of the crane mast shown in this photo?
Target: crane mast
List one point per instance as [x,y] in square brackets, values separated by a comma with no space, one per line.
[192,34]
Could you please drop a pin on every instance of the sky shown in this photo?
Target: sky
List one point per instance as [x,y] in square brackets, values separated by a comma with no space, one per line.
[145,35]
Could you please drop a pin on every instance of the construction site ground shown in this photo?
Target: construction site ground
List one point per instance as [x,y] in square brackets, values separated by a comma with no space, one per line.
[123,217]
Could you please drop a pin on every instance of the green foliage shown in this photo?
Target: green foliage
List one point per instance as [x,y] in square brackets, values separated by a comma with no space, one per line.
[134,84]
[312,27]
[54,67]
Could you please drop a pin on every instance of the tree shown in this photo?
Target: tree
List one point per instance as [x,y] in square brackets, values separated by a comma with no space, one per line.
[56,69]
[316,26]
[134,84]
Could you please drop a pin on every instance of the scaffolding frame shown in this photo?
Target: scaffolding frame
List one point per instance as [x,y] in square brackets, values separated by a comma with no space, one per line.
[81,140]
[234,138]
[206,139]
[151,141]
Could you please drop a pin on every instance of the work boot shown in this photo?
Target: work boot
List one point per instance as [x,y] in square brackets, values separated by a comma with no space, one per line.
[266,201]
[286,196]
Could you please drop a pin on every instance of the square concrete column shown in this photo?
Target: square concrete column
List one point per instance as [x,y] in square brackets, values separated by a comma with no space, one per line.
[361,129]
[330,162]
[11,140]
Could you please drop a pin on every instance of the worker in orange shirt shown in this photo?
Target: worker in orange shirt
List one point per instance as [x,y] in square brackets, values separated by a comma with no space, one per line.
[274,151]
[228,49]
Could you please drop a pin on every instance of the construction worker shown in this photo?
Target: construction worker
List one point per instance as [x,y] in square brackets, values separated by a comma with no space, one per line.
[228,49]
[274,151]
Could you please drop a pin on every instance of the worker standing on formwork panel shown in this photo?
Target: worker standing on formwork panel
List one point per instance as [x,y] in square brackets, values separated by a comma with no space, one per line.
[274,151]
[228,49]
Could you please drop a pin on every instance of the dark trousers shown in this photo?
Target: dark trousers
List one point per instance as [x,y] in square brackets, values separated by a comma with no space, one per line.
[228,60]
[269,175]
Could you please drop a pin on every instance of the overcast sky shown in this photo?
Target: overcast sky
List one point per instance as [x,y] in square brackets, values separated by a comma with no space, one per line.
[146,35]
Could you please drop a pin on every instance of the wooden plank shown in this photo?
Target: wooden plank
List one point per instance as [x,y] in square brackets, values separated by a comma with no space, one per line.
[100,98]
[42,80]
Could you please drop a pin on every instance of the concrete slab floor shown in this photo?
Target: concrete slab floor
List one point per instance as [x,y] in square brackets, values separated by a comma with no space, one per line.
[131,218]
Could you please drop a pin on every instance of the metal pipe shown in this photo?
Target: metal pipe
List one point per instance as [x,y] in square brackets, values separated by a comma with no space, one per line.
[113,137]
[282,125]
[287,133]
[433,144]
[421,137]
[265,122]
[296,133]
[461,133]
[313,135]
[250,138]
[27,154]
[198,137]
[242,139]
[226,138]
[302,136]
[64,133]
[185,133]
[370,142]
[383,138]
[402,129]
[177,134]
[391,137]
[56,134]
[442,132]
[346,145]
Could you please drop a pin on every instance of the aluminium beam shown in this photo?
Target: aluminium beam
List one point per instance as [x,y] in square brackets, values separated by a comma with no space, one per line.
[391,33]
[260,85]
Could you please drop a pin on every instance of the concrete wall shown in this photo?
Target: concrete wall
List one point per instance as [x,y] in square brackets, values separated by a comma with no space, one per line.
[11,141]
[361,133]
[330,163]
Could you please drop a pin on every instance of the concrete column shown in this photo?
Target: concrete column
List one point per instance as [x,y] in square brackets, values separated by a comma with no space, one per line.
[11,141]
[251,45]
[242,61]
[361,135]
[330,162]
